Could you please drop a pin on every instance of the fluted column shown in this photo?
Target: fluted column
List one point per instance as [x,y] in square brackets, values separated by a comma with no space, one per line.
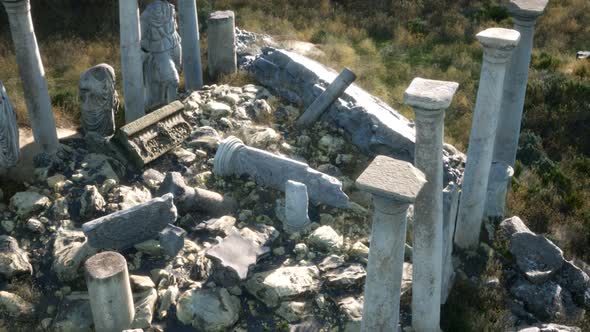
[32,74]
[191,48]
[498,45]
[131,60]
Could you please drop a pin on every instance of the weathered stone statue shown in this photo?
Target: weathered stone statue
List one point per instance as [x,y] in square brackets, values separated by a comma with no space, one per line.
[9,149]
[161,42]
[98,99]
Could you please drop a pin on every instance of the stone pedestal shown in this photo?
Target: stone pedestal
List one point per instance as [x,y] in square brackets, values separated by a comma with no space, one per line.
[498,45]
[131,60]
[429,99]
[525,14]
[235,158]
[109,291]
[394,185]
[332,93]
[221,44]
[191,48]
[32,74]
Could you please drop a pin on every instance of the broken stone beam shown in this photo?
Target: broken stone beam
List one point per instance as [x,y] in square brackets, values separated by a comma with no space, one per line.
[394,185]
[188,199]
[525,14]
[191,47]
[221,44]
[152,135]
[123,229]
[32,74]
[109,290]
[331,94]
[500,175]
[235,158]
[498,45]
[296,207]
[131,60]
[429,99]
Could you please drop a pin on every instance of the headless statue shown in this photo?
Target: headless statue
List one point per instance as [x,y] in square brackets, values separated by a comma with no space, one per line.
[99,100]
[9,148]
[162,64]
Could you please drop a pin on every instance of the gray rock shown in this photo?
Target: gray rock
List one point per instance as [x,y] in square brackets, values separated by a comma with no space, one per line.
[326,238]
[217,226]
[544,300]
[145,306]
[208,310]
[352,309]
[98,168]
[172,239]
[129,197]
[91,202]
[346,277]
[331,262]
[292,311]
[70,250]
[576,281]
[537,257]
[141,283]
[26,203]
[123,229]
[513,225]
[13,260]
[15,306]
[152,178]
[296,206]
[285,283]
[74,315]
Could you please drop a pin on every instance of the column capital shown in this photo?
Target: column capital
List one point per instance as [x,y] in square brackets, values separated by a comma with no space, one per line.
[16,6]
[526,12]
[223,164]
[498,44]
[430,95]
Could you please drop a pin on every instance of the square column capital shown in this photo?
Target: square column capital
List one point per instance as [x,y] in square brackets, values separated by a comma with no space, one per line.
[430,94]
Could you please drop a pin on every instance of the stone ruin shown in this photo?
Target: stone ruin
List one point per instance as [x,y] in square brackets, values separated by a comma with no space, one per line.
[243,208]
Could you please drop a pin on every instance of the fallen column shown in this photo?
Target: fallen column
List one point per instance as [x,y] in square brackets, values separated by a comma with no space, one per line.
[332,93]
[525,14]
[189,199]
[131,60]
[429,99]
[123,229]
[109,290]
[235,158]
[498,45]
[394,185]
[150,136]
[191,47]
[296,207]
[32,74]
[221,45]
[9,148]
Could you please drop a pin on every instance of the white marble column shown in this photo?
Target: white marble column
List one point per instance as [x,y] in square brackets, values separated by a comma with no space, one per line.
[32,74]
[191,47]
[111,300]
[498,45]
[429,99]
[131,60]
[394,185]
[221,44]
[525,14]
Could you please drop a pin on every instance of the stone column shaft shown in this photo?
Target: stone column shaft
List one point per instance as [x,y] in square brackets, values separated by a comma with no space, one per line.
[32,74]
[221,44]
[498,45]
[385,266]
[191,47]
[131,60]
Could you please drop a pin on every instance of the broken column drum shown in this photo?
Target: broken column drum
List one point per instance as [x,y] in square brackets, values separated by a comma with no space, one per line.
[525,14]
[429,99]
[235,158]
[98,100]
[32,74]
[332,93]
[131,60]
[394,185]
[221,45]
[109,290]
[191,48]
[9,148]
[498,45]
[162,62]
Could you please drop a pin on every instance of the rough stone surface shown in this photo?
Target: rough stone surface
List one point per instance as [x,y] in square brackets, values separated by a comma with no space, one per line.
[208,310]
[544,300]
[70,250]
[15,306]
[74,315]
[430,94]
[326,238]
[346,277]
[125,228]
[13,260]
[172,239]
[26,203]
[513,225]
[218,226]
[537,257]
[145,306]
[576,281]
[352,309]
[274,286]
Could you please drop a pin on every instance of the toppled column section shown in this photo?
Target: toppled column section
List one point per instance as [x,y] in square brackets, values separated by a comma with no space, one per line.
[123,229]
[131,60]
[189,199]
[221,44]
[32,74]
[150,136]
[498,45]
[296,207]
[332,93]
[394,185]
[9,148]
[235,158]
[191,47]
[109,290]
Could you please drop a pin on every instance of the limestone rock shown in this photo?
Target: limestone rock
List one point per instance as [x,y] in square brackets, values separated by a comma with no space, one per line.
[576,281]
[291,311]
[98,168]
[208,310]
[513,225]
[550,328]
[172,239]
[217,226]
[274,286]
[129,197]
[331,262]
[217,110]
[70,250]
[359,250]
[537,257]
[15,306]
[91,202]
[141,283]
[352,309]
[326,238]
[152,178]
[74,315]
[346,277]
[13,260]
[26,203]
[544,300]
[145,306]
